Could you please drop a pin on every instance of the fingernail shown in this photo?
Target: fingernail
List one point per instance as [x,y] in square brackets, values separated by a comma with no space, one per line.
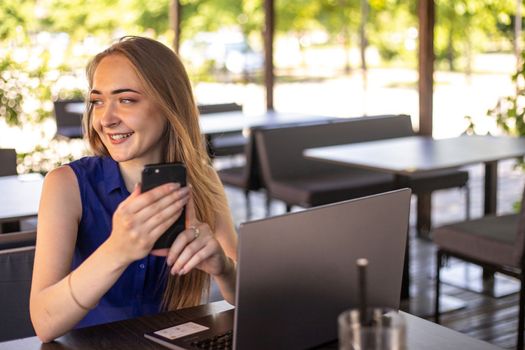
[174,186]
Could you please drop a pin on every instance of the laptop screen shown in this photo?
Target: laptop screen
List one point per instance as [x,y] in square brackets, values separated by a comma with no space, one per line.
[297,271]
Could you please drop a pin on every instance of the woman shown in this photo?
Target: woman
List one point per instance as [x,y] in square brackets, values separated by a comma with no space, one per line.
[96,229]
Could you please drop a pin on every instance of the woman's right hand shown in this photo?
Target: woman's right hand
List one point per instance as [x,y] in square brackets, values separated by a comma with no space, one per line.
[143,217]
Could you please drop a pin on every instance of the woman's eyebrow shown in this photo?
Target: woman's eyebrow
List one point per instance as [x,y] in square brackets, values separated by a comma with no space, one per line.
[115,92]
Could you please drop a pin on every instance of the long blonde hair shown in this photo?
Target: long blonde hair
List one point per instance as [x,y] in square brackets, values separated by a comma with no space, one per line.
[165,80]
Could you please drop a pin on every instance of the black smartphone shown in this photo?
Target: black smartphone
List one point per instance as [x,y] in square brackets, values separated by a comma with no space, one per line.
[154,175]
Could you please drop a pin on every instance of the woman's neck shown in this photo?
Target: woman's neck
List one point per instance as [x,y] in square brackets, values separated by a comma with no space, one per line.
[131,173]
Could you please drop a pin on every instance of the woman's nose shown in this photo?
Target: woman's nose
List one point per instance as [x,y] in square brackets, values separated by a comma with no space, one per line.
[109,116]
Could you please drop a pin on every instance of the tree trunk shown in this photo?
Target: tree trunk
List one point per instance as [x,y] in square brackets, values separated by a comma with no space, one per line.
[517,34]
[362,33]
[269,21]
[450,50]
[346,37]
[426,12]
[175,16]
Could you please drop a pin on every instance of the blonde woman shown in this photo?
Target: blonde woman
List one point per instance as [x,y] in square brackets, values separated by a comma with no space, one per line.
[96,229]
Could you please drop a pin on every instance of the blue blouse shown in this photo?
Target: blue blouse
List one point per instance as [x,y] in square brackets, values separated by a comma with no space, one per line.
[139,289]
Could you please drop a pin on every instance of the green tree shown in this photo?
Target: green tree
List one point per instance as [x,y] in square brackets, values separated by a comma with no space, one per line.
[463,27]
[341,19]
[16,18]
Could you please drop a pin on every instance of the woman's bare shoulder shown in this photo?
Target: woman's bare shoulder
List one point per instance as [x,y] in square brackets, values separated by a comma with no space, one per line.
[62,173]
[60,185]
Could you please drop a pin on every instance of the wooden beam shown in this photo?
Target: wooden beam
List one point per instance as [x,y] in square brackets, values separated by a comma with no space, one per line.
[175,16]
[426,12]
[269,21]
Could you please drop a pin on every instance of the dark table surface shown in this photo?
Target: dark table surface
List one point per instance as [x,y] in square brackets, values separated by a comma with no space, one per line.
[128,334]
[409,155]
[19,196]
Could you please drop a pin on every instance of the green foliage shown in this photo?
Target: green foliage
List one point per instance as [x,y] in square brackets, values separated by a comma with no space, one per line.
[463,26]
[11,96]
[510,110]
[16,18]
[391,30]
[25,93]
[208,16]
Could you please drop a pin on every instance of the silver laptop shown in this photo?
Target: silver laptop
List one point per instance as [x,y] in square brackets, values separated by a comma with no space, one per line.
[296,273]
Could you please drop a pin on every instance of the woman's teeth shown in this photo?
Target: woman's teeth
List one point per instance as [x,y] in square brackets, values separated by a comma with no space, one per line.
[120,136]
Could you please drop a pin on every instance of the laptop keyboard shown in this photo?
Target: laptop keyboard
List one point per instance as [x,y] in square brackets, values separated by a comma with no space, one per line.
[221,341]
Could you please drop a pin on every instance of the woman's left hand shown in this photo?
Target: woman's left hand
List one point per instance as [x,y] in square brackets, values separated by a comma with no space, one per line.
[197,247]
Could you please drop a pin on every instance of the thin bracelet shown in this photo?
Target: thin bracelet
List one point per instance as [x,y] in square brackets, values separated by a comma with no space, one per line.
[73,296]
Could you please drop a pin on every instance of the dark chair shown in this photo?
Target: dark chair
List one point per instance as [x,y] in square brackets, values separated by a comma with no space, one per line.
[219,108]
[8,168]
[225,144]
[298,181]
[496,243]
[68,119]
[295,180]
[17,239]
[7,162]
[245,177]
[16,268]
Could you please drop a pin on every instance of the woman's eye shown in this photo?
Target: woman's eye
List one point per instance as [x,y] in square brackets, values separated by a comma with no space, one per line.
[95,102]
[127,100]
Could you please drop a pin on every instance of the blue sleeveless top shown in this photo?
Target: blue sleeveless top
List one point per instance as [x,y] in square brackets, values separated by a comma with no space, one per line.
[139,289]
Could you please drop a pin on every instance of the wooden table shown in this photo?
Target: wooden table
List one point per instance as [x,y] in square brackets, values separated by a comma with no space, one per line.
[419,154]
[128,334]
[19,196]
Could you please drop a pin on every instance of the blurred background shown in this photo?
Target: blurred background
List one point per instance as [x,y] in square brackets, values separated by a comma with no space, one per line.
[333,57]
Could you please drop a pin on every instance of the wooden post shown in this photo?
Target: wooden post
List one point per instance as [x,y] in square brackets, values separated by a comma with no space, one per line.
[269,21]
[426,65]
[363,42]
[175,16]
[426,83]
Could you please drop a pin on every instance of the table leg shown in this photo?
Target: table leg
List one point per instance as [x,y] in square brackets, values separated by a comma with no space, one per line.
[424,216]
[490,207]
[405,281]
[422,304]
[209,148]
[491,187]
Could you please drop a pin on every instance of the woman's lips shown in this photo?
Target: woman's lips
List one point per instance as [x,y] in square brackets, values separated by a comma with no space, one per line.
[119,138]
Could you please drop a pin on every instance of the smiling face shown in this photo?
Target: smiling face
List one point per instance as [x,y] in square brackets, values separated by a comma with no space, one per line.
[127,121]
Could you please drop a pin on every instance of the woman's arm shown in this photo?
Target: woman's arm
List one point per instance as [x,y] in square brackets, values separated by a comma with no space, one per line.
[60,298]
[226,234]
[53,310]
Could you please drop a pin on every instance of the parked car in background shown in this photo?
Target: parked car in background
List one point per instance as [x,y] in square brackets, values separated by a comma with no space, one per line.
[223,51]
